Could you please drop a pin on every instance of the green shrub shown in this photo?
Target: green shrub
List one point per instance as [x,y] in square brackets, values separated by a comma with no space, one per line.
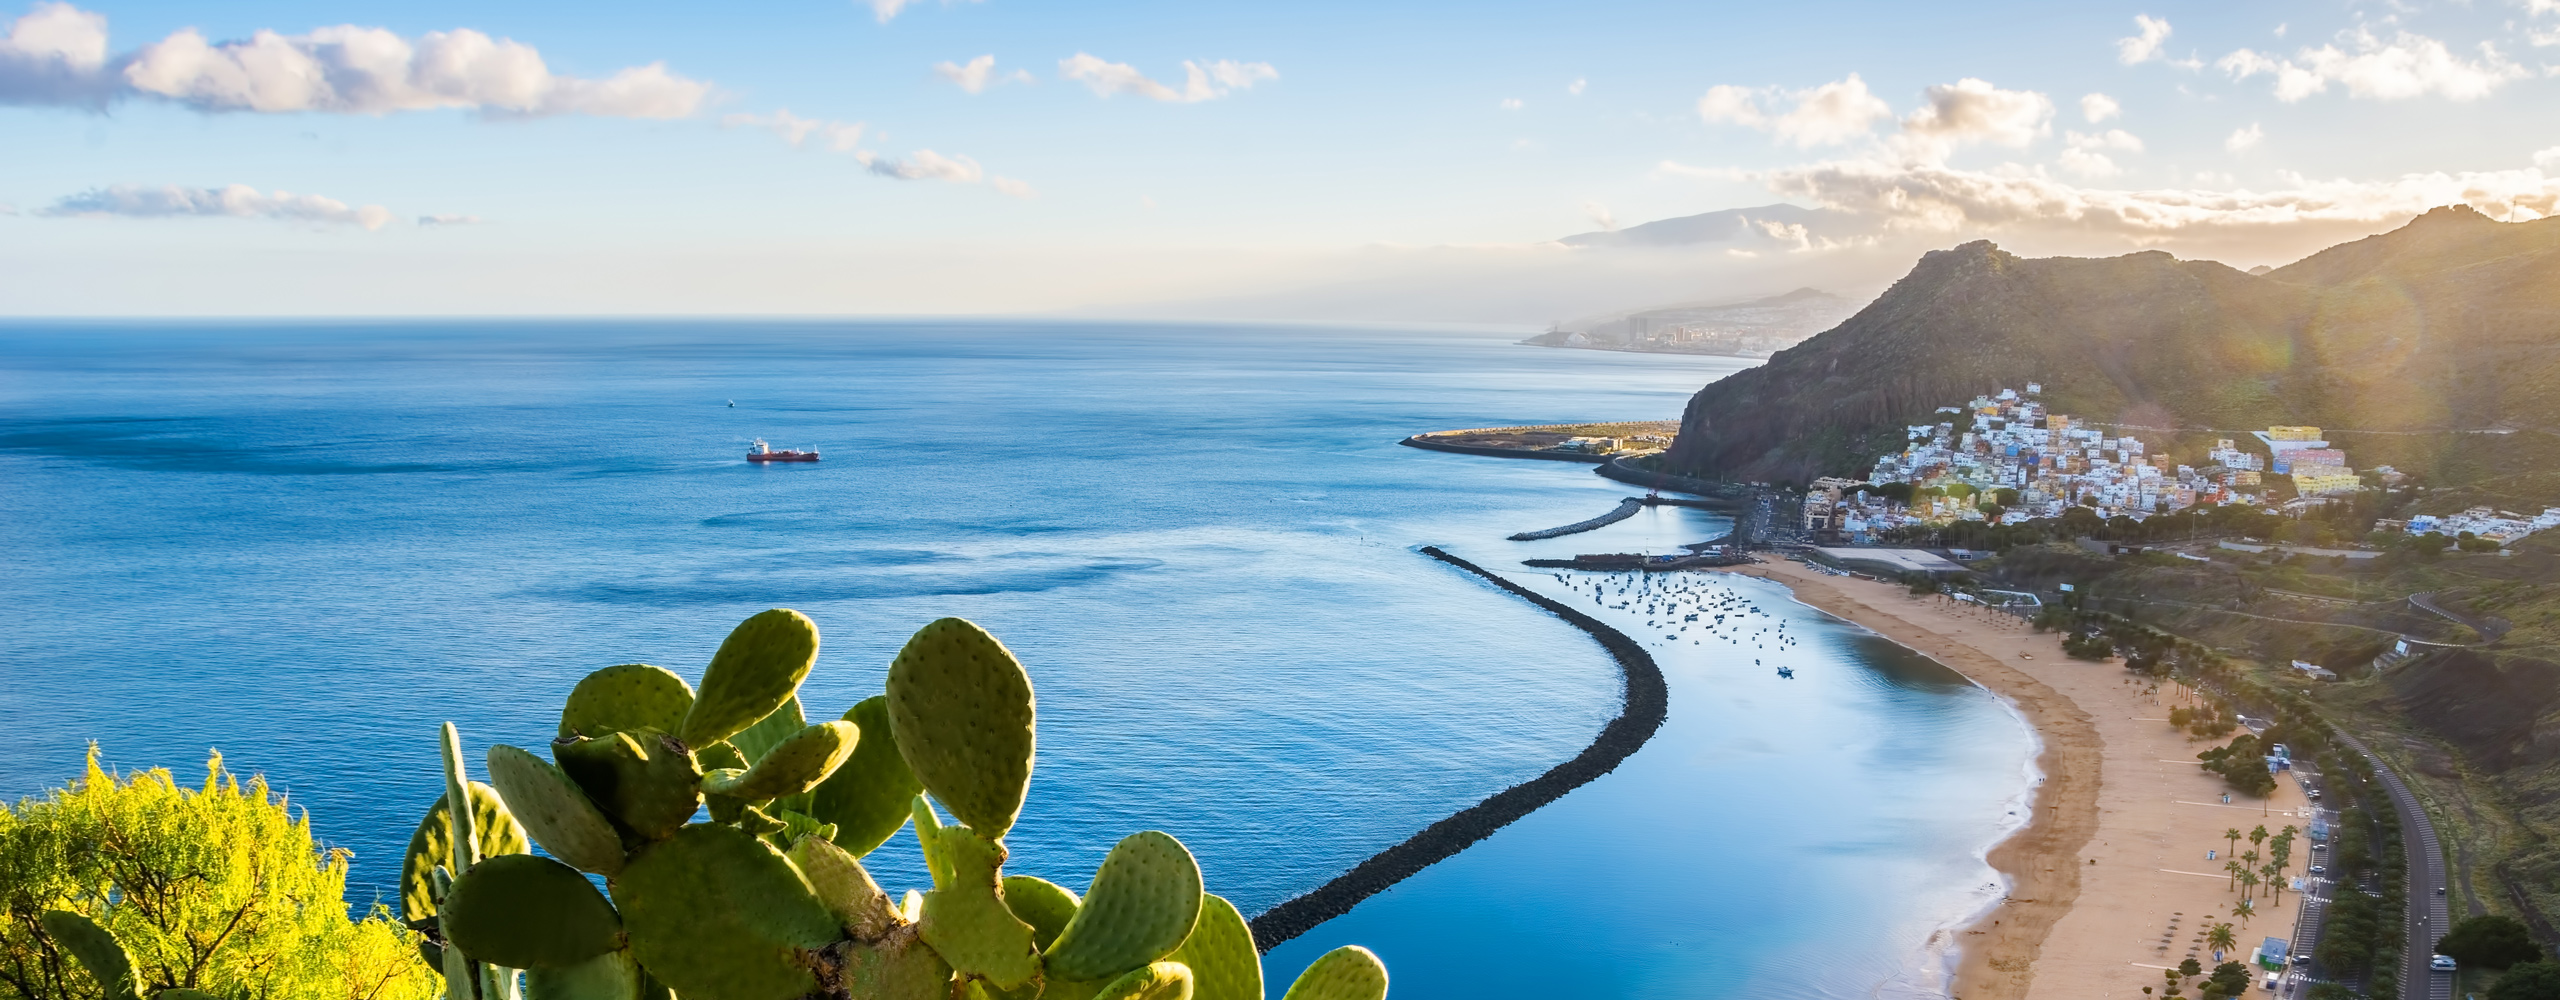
[218,889]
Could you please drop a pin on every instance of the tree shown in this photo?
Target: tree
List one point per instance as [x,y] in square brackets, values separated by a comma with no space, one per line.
[2221,938]
[217,889]
[2232,978]
[2243,909]
[2190,967]
[2528,981]
[2258,834]
[2490,942]
[2232,835]
[2331,991]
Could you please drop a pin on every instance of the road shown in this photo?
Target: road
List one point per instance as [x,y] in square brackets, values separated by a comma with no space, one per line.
[2429,913]
[2490,629]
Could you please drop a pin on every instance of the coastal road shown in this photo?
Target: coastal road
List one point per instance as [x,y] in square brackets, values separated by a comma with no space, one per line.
[2429,913]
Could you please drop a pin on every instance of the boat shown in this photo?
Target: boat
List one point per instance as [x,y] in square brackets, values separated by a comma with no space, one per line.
[763,452]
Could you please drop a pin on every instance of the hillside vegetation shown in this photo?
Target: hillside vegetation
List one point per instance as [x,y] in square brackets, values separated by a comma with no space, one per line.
[2434,347]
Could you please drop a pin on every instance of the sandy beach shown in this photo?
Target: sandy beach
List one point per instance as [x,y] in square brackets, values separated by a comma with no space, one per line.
[2110,881]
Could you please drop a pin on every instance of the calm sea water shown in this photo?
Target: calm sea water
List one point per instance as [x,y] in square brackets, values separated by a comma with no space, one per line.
[306,544]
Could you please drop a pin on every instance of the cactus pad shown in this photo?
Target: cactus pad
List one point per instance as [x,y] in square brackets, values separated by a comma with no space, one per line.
[962,712]
[867,798]
[494,828]
[1144,901]
[97,949]
[897,967]
[756,740]
[555,811]
[1045,905]
[715,914]
[1350,972]
[521,911]
[1158,981]
[965,919]
[644,780]
[756,670]
[847,890]
[624,698]
[610,976]
[790,767]
[1224,963]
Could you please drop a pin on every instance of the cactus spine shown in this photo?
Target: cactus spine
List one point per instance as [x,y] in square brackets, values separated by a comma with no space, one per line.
[769,900]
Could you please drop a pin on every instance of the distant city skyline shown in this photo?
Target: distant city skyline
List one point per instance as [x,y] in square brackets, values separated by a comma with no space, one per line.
[1299,162]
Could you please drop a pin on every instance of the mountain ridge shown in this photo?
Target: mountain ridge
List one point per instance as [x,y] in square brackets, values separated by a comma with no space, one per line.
[2450,322]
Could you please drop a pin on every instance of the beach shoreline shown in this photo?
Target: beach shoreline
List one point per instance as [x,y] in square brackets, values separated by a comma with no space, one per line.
[1995,954]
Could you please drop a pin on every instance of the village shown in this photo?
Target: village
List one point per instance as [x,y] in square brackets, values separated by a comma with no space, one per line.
[2006,458]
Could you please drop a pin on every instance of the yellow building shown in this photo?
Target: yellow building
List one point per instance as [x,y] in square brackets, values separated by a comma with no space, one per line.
[2293,433]
[2328,479]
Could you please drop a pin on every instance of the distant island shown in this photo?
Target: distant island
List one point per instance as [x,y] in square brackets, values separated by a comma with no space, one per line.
[1753,329]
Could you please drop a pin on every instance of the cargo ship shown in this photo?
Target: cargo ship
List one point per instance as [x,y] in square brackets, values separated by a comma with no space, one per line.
[765,453]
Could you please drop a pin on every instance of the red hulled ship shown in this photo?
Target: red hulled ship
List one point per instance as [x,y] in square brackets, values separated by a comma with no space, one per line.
[764,453]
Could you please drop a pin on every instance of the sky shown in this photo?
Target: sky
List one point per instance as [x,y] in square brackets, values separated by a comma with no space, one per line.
[1305,161]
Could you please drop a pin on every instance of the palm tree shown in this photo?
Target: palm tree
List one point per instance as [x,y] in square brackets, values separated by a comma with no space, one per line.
[2243,911]
[2248,885]
[2232,835]
[2221,938]
[2233,867]
[2275,881]
[2258,836]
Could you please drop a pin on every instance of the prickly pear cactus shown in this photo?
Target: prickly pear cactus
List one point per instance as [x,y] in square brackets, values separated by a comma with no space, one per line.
[960,708]
[98,950]
[756,670]
[768,899]
[1350,972]
[555,811]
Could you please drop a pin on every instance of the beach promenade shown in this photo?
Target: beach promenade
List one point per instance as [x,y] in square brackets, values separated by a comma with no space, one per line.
[2110,881]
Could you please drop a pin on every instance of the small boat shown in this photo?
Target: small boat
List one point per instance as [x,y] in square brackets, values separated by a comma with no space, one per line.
[763,452]
[1787,672]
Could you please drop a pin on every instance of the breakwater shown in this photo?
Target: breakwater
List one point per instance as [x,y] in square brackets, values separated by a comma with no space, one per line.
[1423,442]
[1626,508]
[1646,701]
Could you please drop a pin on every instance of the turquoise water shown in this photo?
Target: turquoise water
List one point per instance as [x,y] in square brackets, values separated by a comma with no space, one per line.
[307,544]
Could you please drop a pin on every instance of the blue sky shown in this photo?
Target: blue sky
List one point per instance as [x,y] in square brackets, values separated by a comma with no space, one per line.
[1428,147]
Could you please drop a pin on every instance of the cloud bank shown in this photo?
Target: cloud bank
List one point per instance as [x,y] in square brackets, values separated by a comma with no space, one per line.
[2407,66]
[238,201]
[57,55]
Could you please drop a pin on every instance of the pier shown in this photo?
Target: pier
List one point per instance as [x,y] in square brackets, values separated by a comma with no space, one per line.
[1626,508]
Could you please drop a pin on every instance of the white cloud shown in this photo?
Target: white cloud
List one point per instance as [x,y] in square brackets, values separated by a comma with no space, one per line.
[57,54]
[1833,113]
[1576,87]
[2407,66]
[448,220]
[2086,155]
[1934,198]
[1202,81]
[2548,159]
[2143,46]
[927,165]
[1511,104]
[1600,216]
[1970,111]
[235,201]
[2243,138]
[840,137]
[978,74]
[2099,107]
[886,9]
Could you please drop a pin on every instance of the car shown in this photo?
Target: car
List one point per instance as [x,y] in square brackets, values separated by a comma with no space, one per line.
[2315,795]
[2441,963]
[2301,959]
[2439,890]
[2319,869]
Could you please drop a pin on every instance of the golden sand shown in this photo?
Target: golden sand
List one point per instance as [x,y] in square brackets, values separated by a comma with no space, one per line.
[2109,881]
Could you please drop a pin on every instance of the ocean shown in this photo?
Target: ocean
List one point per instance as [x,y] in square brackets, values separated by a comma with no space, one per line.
[307,543]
